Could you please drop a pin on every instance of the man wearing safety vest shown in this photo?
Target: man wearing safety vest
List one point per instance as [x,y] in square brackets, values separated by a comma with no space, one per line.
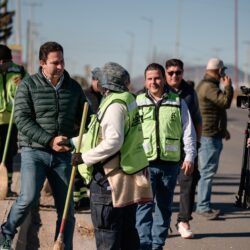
[10,76]
[113,159]
[168,130]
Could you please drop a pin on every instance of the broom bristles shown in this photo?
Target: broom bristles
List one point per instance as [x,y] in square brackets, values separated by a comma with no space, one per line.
[3,181]
[59,245]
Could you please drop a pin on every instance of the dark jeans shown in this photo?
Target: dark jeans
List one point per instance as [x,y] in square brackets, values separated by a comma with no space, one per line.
[114,227]
[12,147]
[187,193]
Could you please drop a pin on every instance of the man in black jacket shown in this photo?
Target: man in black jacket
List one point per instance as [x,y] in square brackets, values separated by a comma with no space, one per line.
[47,113]
[188,183]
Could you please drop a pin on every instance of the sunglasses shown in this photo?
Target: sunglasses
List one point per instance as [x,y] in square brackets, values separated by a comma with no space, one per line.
[171,73]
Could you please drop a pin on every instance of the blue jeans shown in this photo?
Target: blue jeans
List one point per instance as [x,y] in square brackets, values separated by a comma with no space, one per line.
[36,165]
[153,219]
[209,155]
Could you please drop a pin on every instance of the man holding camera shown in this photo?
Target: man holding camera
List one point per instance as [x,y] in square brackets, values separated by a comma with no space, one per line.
[213,103]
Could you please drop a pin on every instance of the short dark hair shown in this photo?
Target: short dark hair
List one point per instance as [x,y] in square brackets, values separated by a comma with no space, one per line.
[5,53]
[174,62]
[155,66]
[48,47]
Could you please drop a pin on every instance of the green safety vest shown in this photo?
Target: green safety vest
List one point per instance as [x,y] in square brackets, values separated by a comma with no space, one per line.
[8,91]
[162,127]
[132,155]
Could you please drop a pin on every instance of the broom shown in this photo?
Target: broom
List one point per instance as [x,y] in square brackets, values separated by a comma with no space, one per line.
[3,168]
[59,245]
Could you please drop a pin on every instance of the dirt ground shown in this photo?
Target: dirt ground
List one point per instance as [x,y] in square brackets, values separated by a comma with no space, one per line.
[41,230]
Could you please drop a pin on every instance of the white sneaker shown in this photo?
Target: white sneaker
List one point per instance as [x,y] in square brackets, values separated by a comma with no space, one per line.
[184,230]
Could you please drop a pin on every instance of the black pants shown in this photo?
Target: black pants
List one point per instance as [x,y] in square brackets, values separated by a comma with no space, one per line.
[114,227]
[12,147]
[187,193]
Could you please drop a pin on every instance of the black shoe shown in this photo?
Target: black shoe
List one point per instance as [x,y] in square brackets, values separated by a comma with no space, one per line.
[5,242]
[211,214]
[11,193]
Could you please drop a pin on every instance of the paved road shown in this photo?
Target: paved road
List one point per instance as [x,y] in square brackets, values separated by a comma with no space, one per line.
[231,231]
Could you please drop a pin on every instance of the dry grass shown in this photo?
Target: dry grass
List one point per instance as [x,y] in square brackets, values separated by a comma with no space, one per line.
[86,229]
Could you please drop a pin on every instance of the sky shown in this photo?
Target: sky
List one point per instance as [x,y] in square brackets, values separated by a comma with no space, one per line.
[135,33]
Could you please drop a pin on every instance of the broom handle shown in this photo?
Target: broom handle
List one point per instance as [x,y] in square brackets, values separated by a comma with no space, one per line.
[74,168]
[8,135]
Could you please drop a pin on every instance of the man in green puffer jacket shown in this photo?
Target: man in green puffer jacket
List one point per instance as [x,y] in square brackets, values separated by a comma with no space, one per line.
[48,109]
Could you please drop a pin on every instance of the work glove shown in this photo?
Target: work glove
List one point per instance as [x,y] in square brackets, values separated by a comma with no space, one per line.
[76,159]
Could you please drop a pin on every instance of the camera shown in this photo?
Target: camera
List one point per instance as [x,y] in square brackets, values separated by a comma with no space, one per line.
[243,101]
[222,72]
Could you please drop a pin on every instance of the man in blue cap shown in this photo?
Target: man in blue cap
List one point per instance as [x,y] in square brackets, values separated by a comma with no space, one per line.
[93,92]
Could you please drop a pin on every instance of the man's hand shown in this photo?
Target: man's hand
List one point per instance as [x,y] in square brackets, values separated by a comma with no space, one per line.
[188,167]
[76,159]
[227,135]
[226,80]
[248,142]
[58,145]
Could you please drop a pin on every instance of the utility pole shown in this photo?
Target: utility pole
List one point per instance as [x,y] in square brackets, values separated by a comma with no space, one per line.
[178,21]
[236,70]
[150,44]
[30,40]
[29,49]
[131,52]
